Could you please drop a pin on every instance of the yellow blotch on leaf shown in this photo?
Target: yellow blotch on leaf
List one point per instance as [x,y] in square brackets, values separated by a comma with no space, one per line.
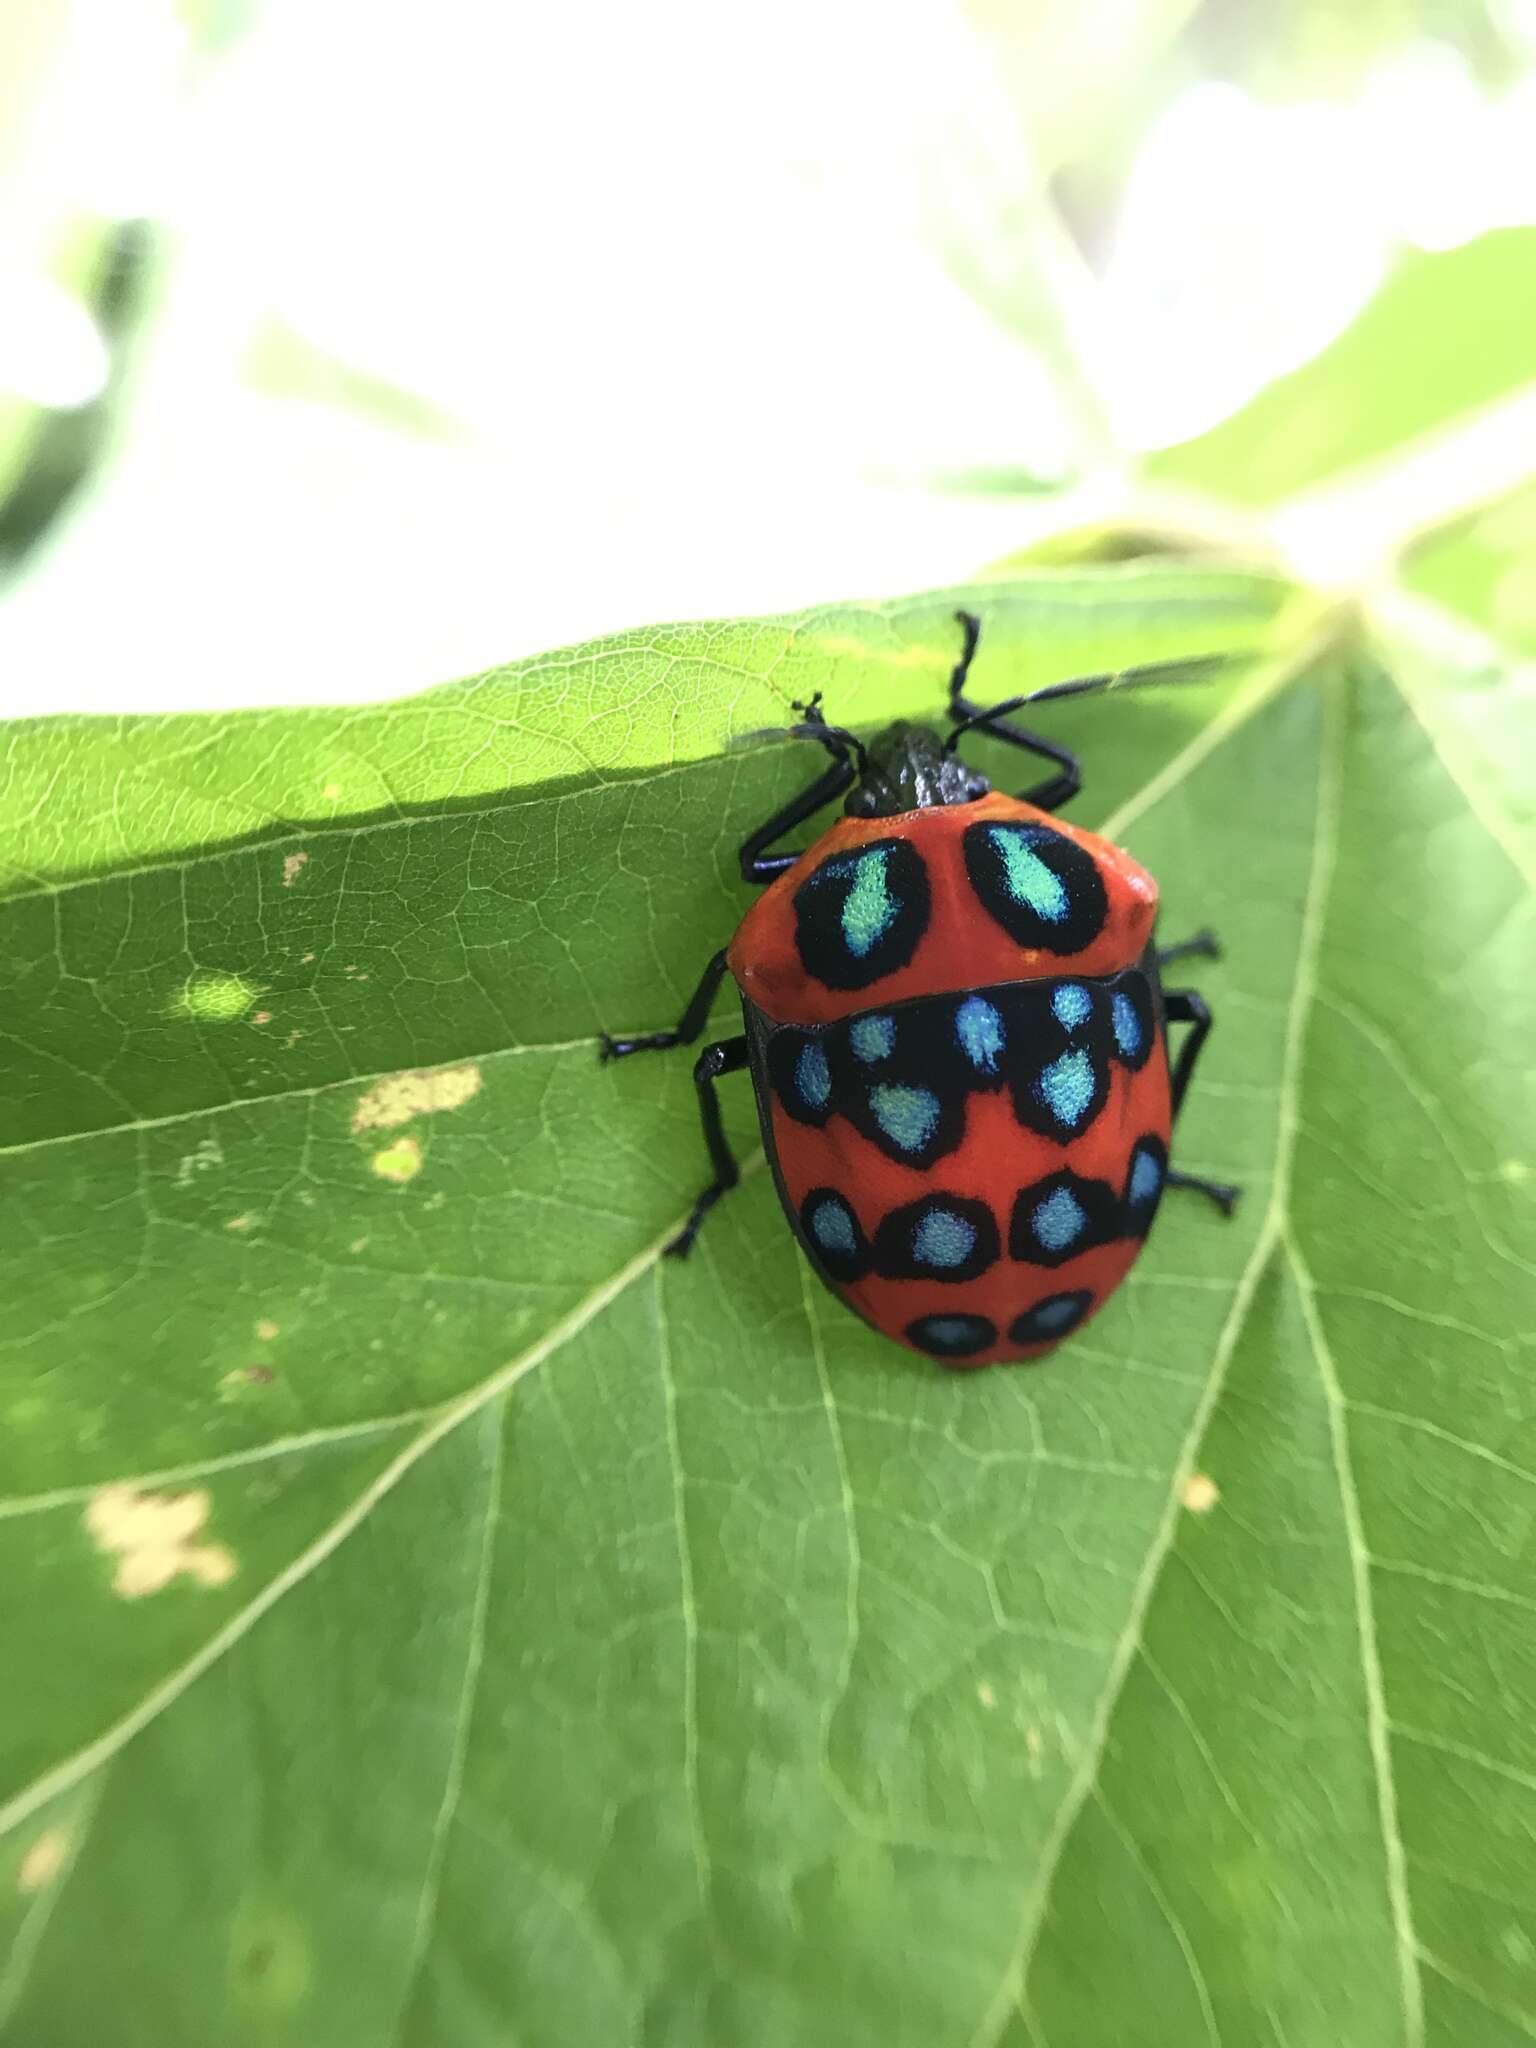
[44,1860]
[214,998]
[398,1162]
[1201,1493]
[399,1097]
[152,1535]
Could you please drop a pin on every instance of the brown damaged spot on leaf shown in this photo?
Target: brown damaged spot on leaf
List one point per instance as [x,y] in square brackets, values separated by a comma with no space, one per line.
[293,867]
[233,1383]
[1201,1493]
[151,1535]
[44,1860]
[399,1097]
[399,1162]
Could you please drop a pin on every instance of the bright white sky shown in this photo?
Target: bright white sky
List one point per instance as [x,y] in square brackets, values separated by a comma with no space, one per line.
[678,278]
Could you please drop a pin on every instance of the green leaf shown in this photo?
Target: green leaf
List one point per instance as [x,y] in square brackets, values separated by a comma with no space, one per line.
[1484,567]
[437,1620]
[1447,333]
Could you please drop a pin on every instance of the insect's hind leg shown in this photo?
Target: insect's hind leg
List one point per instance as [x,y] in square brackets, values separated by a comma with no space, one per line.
[729,1056]
[687,1028]
[1184,1006]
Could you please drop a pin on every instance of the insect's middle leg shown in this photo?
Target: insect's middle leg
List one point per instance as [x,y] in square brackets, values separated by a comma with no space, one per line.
[1184,1006]
[729,1056]
[687,1028]
[1204,946]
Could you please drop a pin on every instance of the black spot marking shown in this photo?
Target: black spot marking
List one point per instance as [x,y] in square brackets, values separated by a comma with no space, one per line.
[1042,887]
[952,1336]
[903,1074]
[942,1237]
[1145,1178]
[1131,1021]
[1056,1218]
[860,915]
[832,1231]
[1061,1097]
[1057,1316]
[802,1079]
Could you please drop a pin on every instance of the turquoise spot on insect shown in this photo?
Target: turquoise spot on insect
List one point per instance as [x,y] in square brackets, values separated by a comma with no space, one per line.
[1066,1086]
[1146,1179]
[1059,1220]
[980,1031]
[908,1116]
[811,1075]
[869,909]
[832,1228]
[1127,1024]
[1073,1005]
[943,1239]
[1028,878]
[872,1038]
[1060,1310]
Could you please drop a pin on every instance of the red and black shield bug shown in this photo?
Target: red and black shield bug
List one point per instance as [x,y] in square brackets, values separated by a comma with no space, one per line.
[958,1036]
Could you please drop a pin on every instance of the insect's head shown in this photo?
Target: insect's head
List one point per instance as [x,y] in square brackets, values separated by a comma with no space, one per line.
[907,768]
[912,768]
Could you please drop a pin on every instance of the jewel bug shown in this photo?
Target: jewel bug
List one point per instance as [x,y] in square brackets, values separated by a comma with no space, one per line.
[957,1032]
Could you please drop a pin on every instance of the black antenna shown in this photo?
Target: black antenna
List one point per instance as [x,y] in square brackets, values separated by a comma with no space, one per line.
[837,740]
[1189,669]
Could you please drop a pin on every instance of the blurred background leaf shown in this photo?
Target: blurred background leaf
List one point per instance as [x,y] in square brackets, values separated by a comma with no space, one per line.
[460,346]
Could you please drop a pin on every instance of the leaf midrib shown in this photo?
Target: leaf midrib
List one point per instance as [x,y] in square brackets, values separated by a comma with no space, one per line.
[1008,1998]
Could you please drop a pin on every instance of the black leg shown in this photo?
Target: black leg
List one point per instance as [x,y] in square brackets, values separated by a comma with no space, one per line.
[1045,796]
[1221,1192]
[728,1057]
[1184,1006]
[757,866]
[689,1025]
[1204,945]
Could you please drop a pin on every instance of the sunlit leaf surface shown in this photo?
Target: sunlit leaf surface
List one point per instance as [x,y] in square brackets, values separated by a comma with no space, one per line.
[1448,332]
[432,1619]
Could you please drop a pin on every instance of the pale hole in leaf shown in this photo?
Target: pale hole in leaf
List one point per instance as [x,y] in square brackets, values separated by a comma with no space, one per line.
[399,1097]
[398,1162]
[152,1535]
[44,1860]
[1201,1493]
[293,865]
[213,998]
